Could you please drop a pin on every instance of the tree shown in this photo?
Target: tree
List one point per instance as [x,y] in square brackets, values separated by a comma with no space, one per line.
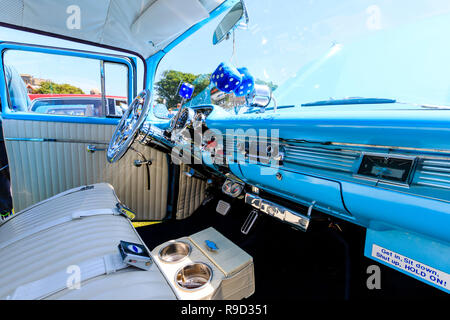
[52,87]
[167,87]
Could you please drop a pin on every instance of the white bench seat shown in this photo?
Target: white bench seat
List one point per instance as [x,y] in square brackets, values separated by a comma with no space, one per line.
[49,237]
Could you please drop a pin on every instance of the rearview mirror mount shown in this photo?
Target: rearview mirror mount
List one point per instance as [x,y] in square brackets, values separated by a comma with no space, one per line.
[237,17]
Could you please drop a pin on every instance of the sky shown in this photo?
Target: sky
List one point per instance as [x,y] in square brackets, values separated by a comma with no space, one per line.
[283,36]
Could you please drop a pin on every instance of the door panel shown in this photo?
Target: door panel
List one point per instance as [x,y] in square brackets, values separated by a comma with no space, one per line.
[191,193]
[41,168]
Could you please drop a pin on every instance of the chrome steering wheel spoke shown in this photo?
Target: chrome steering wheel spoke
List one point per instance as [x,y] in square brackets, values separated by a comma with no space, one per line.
[128,127]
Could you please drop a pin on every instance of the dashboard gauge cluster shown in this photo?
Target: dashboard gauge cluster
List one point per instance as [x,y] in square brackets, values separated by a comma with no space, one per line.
[232,188]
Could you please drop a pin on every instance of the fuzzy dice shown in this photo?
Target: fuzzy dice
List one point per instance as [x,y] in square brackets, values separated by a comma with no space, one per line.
[247,83]
[186,90]
[226,77]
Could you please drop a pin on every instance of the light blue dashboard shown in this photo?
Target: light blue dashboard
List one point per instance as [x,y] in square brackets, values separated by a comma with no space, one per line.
[323,148]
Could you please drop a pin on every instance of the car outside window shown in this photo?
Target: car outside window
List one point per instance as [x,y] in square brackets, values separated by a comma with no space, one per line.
[64,85]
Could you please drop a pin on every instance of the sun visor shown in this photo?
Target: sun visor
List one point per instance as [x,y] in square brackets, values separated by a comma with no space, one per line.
[141,26]
[164,20]
[60,17]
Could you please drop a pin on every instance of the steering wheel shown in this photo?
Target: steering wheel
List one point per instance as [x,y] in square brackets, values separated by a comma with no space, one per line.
[128,126]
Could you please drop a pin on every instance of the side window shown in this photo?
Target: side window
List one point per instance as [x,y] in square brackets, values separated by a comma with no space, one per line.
[116,88]
[64,85]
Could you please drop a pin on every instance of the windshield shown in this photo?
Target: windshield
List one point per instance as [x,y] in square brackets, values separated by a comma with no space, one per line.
[317,50]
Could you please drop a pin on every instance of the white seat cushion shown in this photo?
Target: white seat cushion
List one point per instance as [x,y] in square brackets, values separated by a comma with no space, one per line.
[50,250]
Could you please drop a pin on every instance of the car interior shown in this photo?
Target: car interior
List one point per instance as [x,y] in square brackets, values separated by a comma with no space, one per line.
[124,176]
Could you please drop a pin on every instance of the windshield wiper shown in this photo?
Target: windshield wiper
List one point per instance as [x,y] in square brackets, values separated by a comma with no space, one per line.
[358,100]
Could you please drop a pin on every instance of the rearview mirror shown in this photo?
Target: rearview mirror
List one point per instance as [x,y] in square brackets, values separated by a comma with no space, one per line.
[237,17]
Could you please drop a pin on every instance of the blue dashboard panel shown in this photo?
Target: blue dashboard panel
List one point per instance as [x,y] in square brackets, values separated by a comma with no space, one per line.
[392,209]
[306,189]
[236,170]
[329,144]
[407,221]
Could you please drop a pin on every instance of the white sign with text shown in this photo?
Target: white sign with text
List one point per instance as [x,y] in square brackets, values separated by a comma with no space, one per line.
[418,269]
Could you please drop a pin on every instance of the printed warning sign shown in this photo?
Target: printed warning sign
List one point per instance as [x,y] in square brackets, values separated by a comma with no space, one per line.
[416,268]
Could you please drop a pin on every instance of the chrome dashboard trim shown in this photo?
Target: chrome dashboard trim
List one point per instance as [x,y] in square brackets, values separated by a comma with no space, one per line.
[272,209]
[336,160]
[285,142]
[434,173]
[420,177]
[386,147]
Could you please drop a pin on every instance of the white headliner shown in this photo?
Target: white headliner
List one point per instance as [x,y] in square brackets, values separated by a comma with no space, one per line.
[142,26]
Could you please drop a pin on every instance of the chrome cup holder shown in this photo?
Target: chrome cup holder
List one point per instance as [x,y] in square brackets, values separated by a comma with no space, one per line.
[174,252]
[193,276]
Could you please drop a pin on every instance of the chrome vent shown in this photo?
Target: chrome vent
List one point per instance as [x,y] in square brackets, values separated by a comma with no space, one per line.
[434,173]
[341,160]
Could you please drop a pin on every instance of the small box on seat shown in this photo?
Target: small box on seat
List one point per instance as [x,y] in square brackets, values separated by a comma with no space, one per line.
[225,271]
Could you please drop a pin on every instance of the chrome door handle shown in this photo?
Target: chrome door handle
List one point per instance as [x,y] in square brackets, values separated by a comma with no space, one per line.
[92,148]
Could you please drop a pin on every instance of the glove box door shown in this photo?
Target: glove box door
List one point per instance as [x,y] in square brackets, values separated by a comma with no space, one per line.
[306,189]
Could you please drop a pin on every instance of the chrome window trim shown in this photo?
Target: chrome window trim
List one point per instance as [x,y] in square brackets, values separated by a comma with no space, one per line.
[56,140]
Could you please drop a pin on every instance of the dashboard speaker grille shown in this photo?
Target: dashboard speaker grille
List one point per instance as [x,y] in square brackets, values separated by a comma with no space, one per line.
[434,173]
[340,160]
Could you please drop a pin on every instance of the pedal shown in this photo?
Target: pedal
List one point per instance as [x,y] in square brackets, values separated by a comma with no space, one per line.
[223,207]
[249,222]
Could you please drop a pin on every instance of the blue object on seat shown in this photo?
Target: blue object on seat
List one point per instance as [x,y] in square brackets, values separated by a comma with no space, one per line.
[186,90]
[247,83]
[226,77]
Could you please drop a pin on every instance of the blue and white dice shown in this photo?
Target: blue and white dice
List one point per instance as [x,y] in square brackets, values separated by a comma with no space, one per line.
[226,77]
[247,83]
[186,90]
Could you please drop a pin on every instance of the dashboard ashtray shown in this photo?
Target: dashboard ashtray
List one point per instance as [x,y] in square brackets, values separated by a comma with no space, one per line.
[174,252]
[193,276]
